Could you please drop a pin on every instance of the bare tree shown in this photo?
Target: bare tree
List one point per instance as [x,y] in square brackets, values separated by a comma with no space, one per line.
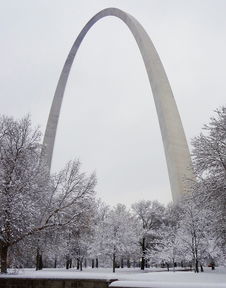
[32,201]
[115,235]
[209,159]
[150,218]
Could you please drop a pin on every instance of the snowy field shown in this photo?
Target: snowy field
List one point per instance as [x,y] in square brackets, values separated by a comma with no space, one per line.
[134,277]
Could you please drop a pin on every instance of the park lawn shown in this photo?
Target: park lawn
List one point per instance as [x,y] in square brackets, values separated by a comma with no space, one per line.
[134,277]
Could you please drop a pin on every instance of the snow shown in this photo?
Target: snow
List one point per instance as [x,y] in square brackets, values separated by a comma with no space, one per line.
[180,279]
[143,284]
[134,277]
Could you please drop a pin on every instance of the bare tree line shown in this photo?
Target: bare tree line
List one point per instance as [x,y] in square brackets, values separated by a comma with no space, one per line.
[61,223]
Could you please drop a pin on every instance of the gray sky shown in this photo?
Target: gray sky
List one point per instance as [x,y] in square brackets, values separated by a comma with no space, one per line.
[108,119]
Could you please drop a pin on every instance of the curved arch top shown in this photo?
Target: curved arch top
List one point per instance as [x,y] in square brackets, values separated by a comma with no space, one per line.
[175,145]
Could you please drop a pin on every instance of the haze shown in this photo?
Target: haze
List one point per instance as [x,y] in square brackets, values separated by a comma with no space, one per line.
[108,119]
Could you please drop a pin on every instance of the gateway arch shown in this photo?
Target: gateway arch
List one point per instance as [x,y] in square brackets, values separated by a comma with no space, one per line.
[175,145]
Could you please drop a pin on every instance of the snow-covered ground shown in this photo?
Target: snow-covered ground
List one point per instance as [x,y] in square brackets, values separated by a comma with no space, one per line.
[136,278]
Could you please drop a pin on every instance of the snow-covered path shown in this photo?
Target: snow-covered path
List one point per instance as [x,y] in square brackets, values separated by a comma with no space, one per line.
[135,278]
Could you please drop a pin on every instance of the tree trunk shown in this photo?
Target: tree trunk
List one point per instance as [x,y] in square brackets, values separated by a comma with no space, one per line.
[143,255]
[37,259]
[97,264]
[122,263]
[85,263]
[39,264]
[196,254]
[4,254]
[196,266]
[213,266]
[113,262]
[128,263]
[55,262]
[167,265]
[201,268]
[92,263]
[173,265]
[196,260]
[78,264]
[68,262]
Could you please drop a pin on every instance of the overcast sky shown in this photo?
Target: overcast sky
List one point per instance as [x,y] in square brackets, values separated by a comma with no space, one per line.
[108,119]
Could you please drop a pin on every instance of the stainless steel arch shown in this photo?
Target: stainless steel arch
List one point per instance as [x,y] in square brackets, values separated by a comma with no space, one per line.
[175,144]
